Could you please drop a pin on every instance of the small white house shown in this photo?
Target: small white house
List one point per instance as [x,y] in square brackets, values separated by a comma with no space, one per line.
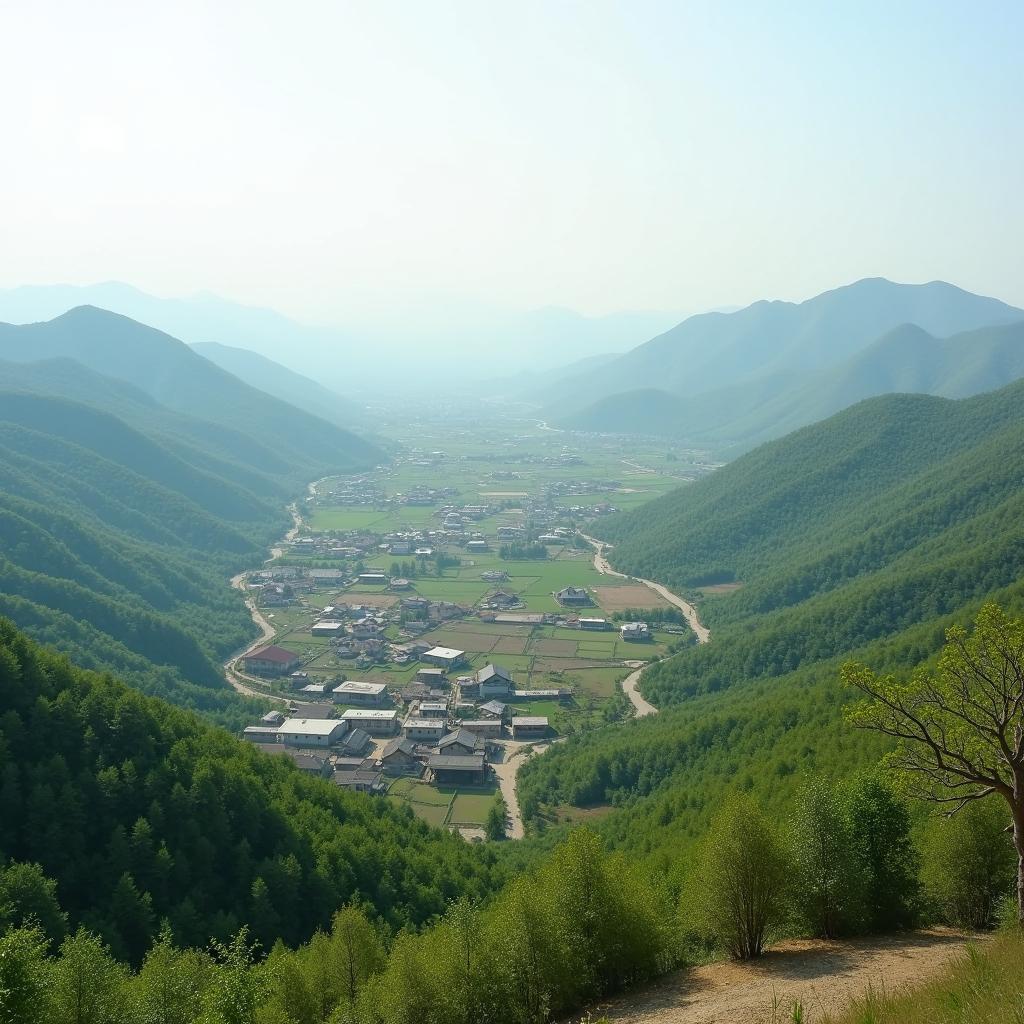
[427,730]
[375,721]
[310,732]
[359,694]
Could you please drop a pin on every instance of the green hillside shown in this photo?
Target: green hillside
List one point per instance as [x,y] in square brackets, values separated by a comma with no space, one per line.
[863,536]
[140,812]
[906,359]
[302,445]
[277,380]
[116,550]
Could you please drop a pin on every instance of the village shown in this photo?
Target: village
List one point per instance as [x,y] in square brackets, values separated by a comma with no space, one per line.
[432,624]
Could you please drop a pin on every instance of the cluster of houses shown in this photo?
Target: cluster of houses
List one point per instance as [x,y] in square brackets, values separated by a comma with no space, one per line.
[444,741]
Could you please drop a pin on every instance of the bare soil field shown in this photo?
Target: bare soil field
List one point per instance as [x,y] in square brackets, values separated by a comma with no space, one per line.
[618,599]
[509,645]
[822,975]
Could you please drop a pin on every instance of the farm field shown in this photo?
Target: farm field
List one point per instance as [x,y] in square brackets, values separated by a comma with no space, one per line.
[444,805]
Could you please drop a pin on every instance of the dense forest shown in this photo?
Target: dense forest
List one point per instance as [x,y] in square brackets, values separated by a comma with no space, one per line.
[140,812]
[864,536]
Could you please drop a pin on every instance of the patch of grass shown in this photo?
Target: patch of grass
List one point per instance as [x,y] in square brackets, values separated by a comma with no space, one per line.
[984,984]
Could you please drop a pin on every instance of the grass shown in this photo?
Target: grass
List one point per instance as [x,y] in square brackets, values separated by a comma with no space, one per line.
[471,808]
[986,984]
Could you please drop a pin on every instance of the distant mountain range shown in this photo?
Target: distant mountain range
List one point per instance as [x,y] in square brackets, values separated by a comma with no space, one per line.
[399,350]
[755,374]
[287,446]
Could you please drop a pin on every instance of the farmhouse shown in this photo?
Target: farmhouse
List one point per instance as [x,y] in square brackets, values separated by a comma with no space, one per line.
[355,742]
[494,681]
[314,691]
[311,764]
[375,721]
[272,718]
[488,728]
[399,758]
[635,631]
[572,597]
[529,728]
[361,781]
[445,657]
[310,732]
[595,624]
[562,693]
[461,742]
[457,768]
[327,627]
[360,695]
[494,709]
[426,730]
[431,676]
[270,661]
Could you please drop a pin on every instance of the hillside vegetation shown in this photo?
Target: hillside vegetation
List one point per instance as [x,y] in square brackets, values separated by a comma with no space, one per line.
[294,445]
[864,536]
[121,517]
[141,812]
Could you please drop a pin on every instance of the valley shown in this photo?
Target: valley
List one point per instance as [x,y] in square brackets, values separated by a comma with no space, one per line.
[472,548]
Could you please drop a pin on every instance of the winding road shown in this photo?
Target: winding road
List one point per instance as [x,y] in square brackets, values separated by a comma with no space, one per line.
[703,634]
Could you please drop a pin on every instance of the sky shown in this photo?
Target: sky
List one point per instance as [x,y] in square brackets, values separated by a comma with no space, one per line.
[395,161]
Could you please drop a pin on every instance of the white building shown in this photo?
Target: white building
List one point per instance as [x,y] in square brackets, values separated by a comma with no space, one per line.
[429,730]
[310,732]
[445,657]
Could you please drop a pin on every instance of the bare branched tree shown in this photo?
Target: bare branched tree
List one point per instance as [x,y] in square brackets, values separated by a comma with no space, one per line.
[960,727]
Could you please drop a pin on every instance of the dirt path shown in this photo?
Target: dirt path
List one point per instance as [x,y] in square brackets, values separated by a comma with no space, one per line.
[823,976]
[703,634]
[506,770]
[629,688]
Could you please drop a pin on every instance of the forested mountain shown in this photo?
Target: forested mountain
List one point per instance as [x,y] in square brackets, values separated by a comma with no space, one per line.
[721,363]
[169,372]
[863,536]
[141,812]
[906,359]
[277,380]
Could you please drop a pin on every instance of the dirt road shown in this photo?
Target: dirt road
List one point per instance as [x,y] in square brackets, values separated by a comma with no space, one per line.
[629,688]
[823,975]
[703,634]
[506,770]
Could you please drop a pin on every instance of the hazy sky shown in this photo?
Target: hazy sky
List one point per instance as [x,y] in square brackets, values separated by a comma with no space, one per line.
[339,160]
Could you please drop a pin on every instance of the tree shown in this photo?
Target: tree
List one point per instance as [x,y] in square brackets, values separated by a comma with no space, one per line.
[171,982]
[23,976]
[28,896]
[88,985]
[960,727]
[829,882]
[968,864]
[737,890]
[494,826]
[885,852]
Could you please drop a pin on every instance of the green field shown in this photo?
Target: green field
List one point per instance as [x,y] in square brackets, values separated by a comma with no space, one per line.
[444,805]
